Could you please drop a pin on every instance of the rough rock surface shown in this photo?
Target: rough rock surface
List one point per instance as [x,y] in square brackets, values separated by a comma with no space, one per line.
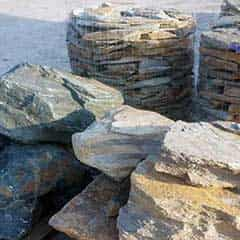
[201,154]
[27,173]
[40,104]
[163,207]
[118,142]
[89,214]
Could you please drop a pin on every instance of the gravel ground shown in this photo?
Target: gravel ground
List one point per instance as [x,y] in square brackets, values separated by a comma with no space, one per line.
[34,30]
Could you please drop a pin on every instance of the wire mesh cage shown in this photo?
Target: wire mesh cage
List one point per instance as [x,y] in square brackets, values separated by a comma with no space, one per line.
[145,53]
[220,65]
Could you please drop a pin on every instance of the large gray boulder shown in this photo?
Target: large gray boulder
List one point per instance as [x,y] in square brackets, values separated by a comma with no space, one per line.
[28,173]
[41,104]
[118,142]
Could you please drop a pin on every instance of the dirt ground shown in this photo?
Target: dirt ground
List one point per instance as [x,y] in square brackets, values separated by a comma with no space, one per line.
[34,30]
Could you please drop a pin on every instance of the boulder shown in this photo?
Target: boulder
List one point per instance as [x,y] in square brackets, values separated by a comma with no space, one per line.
[91,215]
[205,156]
[27,173]
[162,206]
[41,104]
[118,142]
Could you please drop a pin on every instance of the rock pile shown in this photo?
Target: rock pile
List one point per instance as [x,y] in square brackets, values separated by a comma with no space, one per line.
[113,145]
[188,191]
[185,180]
[220,65]
[40,108]
[145,53]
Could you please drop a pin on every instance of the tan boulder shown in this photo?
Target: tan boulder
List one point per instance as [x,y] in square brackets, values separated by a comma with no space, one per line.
[163,207]
[91,215]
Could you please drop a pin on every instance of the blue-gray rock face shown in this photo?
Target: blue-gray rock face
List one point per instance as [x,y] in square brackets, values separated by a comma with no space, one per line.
[41,104]
[27,173]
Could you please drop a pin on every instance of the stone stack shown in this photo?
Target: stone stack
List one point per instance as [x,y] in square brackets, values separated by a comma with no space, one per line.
[40,109]
[220,66]
[145,53]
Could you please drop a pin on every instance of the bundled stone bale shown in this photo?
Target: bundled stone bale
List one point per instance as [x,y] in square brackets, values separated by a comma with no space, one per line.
[189,190]
[145,53]
[220,67]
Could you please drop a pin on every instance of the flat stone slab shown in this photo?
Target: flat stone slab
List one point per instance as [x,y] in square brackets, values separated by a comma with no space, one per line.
[201,154]
[118,142]
[87,215]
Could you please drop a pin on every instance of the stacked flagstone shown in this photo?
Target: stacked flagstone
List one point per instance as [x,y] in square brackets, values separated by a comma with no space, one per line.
[220,65]
[145,53]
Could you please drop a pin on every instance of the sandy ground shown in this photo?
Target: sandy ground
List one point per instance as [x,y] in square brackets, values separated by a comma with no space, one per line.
[34,30]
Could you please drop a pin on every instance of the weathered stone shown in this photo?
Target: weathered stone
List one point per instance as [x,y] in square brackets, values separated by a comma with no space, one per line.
[27,173]
[118,142]
[163,207]
[41,104]
[120,48]
[205,156]
[87,215]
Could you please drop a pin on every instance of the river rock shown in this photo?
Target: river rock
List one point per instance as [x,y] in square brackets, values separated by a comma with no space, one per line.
[206,155]
[162,206]
[89,215]
[41,104]
[118,142]
[27,173]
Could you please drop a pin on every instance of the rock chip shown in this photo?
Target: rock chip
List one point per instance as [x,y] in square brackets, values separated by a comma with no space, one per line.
[162,207]
[201,154]
[41,104]
[87,215]
[27,173]
[118,142]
